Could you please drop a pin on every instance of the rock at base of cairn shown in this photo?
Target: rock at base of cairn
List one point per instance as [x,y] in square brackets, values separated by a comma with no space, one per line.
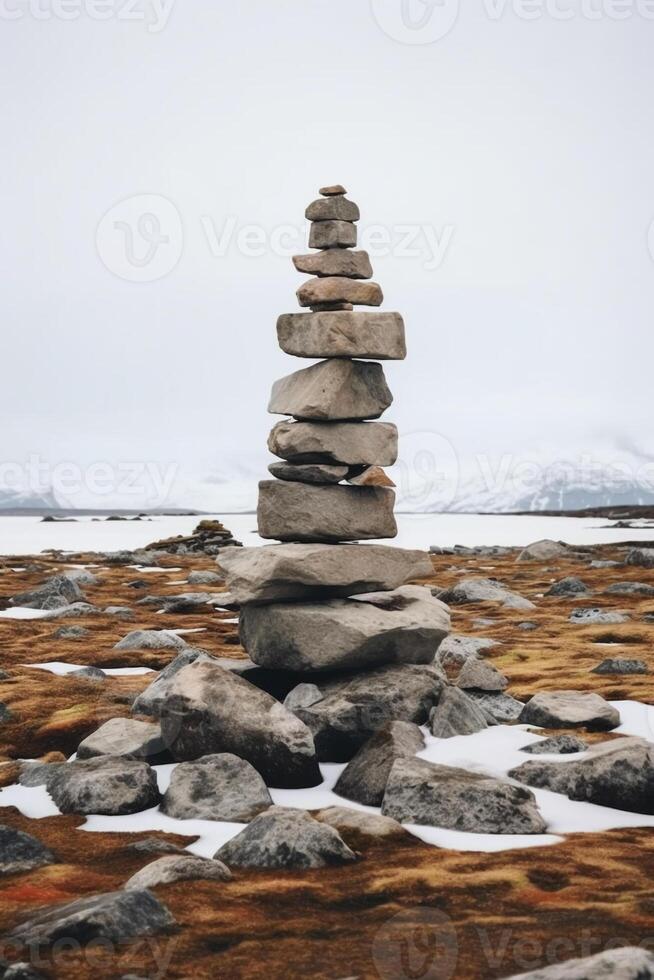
[341,334]
[339,443]
[331,391]
[301,512]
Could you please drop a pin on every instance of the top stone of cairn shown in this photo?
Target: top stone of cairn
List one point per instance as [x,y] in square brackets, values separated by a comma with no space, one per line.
[332,190]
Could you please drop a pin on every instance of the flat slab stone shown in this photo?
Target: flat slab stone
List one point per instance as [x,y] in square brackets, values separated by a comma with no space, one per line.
[332,234]
[375,335]
[332,391]
[332,207]
[349,443]
[335,262]
[339,289]
[570,709]
[124,737]
[364,778]
[300,512]
[346,634]
[286,572]
[308,472]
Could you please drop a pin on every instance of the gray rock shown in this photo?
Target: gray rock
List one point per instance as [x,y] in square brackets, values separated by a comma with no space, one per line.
[456,649]
[334,262]
[343,333]
[150,640]
[358,633]
[497,705]
[332,234]
[570,709]
[543,550]
[483,590]
[37,773]
[177,867]
[105,785]
[81,576]
[285,838]
[114,916]
[443,796]
[284,572]
[364,778]
[210,710]
[331,391]
[331,189]
[308,472]
[154,845]
[216,787]
[71,633]
[568,586]
[333,208]
[89,673]
[354,707]
[587,617]
[150,700]
[627,963]
[339,289]
[349,443]
[527,627]
[556,745]
[630,588]
[121,612]
[643,557]
[346,820]
[598,563]
[125,738]
[302,696]
[456,714]
[618,665]
[204,578]
[6,713]
[73,611]
[21,971]
[300,512]
[21,852]
[56,592]
[618,774]
[481,676]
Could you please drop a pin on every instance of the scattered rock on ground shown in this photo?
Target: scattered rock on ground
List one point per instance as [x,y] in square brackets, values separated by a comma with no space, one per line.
[456,649]
[543,550]
[205,578]
[364,778]
[618,665]
[483,590]
[588,616]
[346,820]
[56,592]
[627,963]
[216,787]
[643,557]
[21,852]
[457,714]
[126,738]
[630,588]
[498,705]
[150,700]
[556,745]
[90,673]
[482,676]
[105,785]
[570,709]
[150,640]
[568,586]
[177,867]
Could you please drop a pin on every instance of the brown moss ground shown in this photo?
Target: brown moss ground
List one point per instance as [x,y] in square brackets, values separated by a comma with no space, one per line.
[568,899]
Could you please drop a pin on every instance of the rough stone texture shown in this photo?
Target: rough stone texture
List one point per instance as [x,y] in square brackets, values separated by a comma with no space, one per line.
[115,916]
[105,785]
[37,773]
[627,963]
[334,208]
[204,578]
[285,838]
[371,476]
[150,640]
[308,472]
[302,696]
[331,391]
[90,673]
[619,774]
[300,512]
[643,557]
[482,676]
[571,585]
[216,787]
[346,820]
[570,709]
[402,626]
[498,705]
[177,867]
[332,189]
[335,262]
[150,700]
[126,738]
[456,714]
[618,665]
[379,336]
[542,550]
[210,710]
[332,234]
[443,796]
[630,588]
[56,592]
[283,572]
[21,852]
[339,289]
[349,443]
[355,707]
[587,617]
[556,745]
[364,778]
[456,649]
[484,590]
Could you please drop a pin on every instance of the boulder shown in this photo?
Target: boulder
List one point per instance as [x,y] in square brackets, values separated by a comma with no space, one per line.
[56,592]
[405,626]
[177,867]
[331,391]
[341,443]
[543,551]
[150,700]
[114,916]
[356,706]
[285,838]
[631,588]
[333,208]
[456,649]
[210,710]
[216,787]
[81,576]
[481,676]
[335,262]
[556,745]
[150,640]
[497,705]
[627,963]
[618,665]
[332,234]
[21,852]
[456,714]
[483,590]
[349,822]
[126,738]
[618,773]
[302,696]
[643,557]
[339,289]
[379,336]
[570,709]
[364,778]
[308,472]
[597,617]
[72,611]
[300,512]
[568,586]
[442,796]
[106,785]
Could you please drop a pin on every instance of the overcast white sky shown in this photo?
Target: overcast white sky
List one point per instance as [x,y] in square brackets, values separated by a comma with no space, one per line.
[522,149]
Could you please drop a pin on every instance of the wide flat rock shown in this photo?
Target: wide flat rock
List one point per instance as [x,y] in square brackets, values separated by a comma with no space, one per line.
[106,785]
[331,391]
[300,512]
[402,626]
[344,443]
[335,262]
[570,709]
[378,335]
[339,289]
[124,737]
[319,473]
[284,572]
[364,778]
[335,207]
